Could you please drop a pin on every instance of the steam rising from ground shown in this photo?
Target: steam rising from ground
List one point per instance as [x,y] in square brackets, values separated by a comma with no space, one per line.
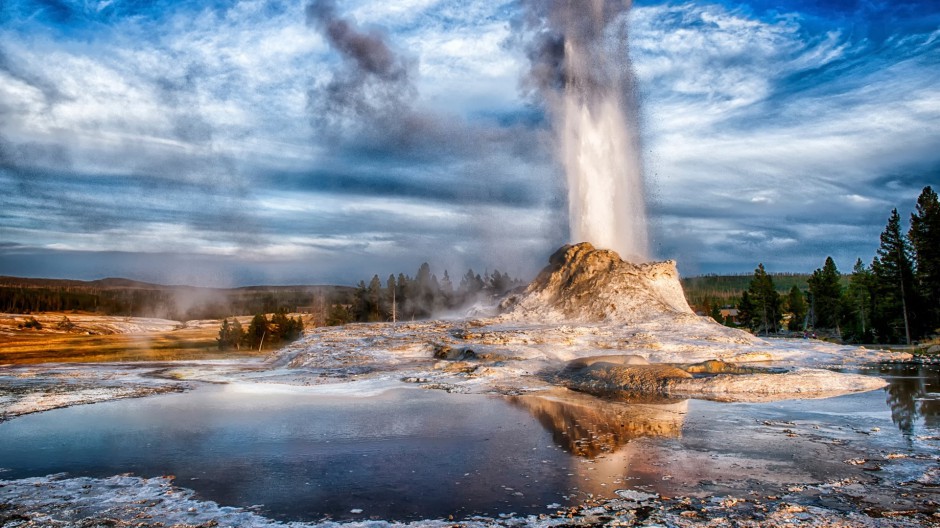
[581,67]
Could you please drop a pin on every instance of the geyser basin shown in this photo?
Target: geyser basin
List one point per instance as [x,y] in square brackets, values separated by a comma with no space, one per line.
[586,302]
[427,454]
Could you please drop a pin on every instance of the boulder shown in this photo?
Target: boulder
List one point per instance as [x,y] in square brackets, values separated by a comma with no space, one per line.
[606,379]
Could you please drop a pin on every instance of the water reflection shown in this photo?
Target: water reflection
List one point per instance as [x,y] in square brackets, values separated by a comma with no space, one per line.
[913,394]
[588,427]
[402,455]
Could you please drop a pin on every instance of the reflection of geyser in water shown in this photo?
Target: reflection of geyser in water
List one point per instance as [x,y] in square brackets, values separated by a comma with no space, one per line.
[581,64]
[587,426]
[598,431]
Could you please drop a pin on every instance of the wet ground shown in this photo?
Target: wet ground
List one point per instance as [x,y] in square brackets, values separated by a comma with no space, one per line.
[410,454]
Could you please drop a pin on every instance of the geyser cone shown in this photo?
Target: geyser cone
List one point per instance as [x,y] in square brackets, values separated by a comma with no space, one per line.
[582,283]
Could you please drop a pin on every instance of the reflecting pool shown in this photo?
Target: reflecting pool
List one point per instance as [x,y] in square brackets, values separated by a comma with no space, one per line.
[406,453]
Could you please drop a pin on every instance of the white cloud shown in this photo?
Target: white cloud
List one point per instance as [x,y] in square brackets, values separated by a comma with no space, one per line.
[743,111]
[469,68]
[389,14]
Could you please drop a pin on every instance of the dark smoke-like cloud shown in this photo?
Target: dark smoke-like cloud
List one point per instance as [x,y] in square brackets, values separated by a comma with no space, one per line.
[368,50]
[368,108]
[588,27]
[369,97]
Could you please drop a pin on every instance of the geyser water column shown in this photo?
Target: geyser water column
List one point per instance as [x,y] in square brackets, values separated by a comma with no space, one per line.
[581,67]
[606,200]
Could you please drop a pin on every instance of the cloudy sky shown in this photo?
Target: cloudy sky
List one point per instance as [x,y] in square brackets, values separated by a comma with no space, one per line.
[271,141]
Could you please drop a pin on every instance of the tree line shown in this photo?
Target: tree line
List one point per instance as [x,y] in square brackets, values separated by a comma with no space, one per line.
[260,332]
[27,296]
[709,293]
[894,299]
[420,297]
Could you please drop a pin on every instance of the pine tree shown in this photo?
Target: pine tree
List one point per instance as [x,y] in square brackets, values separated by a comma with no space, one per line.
[857,307]
[924,235]
[437,299]
[745,309]
[284,328]
[280,327]
[894,284]
[338,315]
[403,288]
[826,291]
[764,305]
[236,334]
[230,335]
[225,336]
[500,283]
[447,290]
[471,284]
[796,304]
[360,305]
[374,300]
[257,331]
[715,313]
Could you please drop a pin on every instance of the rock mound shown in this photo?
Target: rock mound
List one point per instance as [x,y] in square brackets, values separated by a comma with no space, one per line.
[608,379]
[585,284]
[627,378]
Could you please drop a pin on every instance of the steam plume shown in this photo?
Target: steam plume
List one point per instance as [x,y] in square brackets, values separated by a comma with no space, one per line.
[580,66]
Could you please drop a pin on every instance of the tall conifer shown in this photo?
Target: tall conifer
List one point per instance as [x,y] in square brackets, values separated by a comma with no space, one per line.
[858,305]
[894,284]
[796,304]
[925,242]
[762,304]
[826,290]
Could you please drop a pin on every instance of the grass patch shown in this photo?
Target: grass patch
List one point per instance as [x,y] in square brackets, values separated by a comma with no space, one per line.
[25,347]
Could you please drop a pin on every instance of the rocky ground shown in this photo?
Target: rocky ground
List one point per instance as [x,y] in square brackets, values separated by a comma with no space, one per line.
[156,502]
[491,355]
[31,389]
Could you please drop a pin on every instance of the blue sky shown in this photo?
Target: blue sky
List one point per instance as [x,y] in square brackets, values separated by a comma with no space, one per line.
[229,143]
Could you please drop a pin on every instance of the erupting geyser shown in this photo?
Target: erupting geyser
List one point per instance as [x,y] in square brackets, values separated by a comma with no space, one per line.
[581,66]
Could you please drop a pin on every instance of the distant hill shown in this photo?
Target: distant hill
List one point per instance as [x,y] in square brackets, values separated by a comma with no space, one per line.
[118,296]
[109,283]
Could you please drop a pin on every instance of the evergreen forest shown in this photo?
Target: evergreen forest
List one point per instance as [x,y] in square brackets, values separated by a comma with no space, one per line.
[893,299]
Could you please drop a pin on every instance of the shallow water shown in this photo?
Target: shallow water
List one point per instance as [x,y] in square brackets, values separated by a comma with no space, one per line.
[405,454]
[410,454]
[913,397]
